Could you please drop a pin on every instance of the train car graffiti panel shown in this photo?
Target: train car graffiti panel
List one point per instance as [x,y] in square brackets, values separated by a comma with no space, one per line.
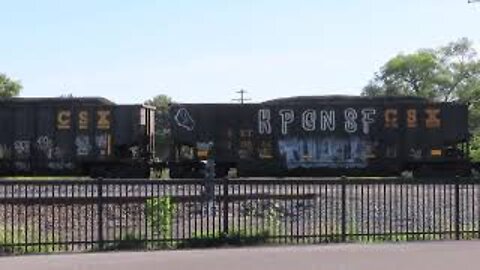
[82,143]
[183,119]
[329,152]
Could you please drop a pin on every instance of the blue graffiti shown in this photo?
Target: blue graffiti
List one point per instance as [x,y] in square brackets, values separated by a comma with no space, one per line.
[324,152]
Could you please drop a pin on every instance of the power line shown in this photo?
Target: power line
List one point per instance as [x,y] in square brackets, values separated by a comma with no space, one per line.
[242,98]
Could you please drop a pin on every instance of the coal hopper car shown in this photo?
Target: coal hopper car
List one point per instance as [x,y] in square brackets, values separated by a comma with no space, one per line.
[317,136]
[75,136]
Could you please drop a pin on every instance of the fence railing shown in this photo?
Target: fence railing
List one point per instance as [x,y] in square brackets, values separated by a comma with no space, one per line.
[78,215]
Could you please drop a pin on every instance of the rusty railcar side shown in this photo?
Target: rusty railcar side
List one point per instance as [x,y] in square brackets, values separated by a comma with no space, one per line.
[323,136]
[75,136]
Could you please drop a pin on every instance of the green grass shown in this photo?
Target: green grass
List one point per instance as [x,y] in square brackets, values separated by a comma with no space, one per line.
[18,242]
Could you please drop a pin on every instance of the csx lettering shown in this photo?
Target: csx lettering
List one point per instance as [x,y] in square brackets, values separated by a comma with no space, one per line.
[432,120]
[83,120]
[64,119]
[391,120]
[103,119]
[411,118]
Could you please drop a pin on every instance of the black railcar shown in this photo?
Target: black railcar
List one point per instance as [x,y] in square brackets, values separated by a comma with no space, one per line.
[75,136]
[314,136]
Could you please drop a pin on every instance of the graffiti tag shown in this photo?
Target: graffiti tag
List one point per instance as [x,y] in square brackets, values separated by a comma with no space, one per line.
[324,152]
[326,119]
[82,142]
[183,119]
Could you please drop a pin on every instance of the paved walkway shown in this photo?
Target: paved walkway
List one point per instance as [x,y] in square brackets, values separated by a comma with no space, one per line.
[412,256]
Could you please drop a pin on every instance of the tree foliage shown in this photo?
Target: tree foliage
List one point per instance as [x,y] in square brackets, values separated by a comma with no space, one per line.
[411,74]
[451,72]
[9,87]
[160,102]
[162,128]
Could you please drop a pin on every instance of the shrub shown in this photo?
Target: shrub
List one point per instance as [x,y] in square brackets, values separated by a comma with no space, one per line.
[20,241]
[223,239]
[159,213]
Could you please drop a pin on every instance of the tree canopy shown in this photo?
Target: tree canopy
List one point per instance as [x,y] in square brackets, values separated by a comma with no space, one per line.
[160,102]
[162,128]
[451,72]
[9,87]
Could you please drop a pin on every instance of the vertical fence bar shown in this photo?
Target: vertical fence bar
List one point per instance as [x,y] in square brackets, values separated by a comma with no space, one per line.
[225,206]
[457,211]
[343,228]
[100,213]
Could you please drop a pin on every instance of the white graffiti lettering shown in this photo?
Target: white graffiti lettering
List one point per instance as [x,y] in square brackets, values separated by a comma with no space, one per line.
[264,126]
[355,120]
[287,118]
[102,143]
[327,120]
[45,145]
[184,119]
[135,151]
[350,123]
[367,119]
[309,118]
[22,147]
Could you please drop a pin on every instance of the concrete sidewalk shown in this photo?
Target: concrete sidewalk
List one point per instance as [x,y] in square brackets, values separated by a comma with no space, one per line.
[432,255]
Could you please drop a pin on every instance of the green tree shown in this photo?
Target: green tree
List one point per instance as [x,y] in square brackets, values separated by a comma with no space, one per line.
[162,128]
[161,102]
[475,148]
[9,87]
[448,73]
[459,72]
[411,74]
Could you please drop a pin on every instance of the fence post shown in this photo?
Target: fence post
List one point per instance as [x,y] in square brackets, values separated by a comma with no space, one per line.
[343,211]
[457,210]
[225,200]
[100,213]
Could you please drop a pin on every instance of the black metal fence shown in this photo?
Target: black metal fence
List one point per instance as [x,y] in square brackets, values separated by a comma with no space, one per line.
[79,215]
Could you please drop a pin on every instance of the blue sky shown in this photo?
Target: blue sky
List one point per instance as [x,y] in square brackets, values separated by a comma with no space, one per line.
[204,51]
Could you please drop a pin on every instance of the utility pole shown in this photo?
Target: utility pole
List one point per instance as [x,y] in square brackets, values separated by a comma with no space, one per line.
[242,99]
